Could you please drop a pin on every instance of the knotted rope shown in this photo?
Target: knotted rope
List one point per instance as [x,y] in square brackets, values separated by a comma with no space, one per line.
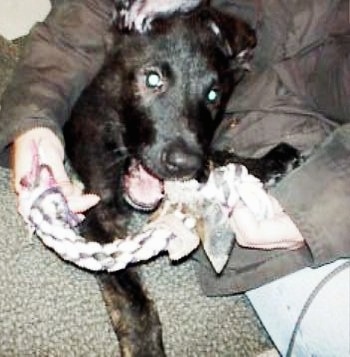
[178,227]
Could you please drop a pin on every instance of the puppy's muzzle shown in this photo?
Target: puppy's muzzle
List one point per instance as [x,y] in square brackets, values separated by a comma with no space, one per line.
[181,161]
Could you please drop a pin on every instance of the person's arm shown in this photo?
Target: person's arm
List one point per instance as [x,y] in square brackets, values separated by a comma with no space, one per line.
[61,57]
[317,198]
[316,204]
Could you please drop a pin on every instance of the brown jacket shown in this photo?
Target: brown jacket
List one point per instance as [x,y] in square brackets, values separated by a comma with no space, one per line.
[61,57]
[297,92]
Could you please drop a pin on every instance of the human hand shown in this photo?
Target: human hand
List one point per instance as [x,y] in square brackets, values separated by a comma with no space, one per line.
[141,13]
[277,231]
[51,153]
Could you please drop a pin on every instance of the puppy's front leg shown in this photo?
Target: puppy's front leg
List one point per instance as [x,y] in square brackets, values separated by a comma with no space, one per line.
[134,317]
[270,168]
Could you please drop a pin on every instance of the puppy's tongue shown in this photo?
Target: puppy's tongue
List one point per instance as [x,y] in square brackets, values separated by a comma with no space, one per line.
[142,190]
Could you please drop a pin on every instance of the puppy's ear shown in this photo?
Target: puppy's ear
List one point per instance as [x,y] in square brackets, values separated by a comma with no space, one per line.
[236,38]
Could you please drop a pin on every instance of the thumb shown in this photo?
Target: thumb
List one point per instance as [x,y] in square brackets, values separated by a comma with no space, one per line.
[82,203]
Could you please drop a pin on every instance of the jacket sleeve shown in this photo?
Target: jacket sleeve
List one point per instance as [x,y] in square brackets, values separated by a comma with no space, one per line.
[60,58]
[316,197]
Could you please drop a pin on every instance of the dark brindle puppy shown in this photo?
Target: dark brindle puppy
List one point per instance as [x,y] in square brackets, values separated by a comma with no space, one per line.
[150,115]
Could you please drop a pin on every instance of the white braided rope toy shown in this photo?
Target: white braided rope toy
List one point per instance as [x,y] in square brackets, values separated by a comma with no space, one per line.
[174,229]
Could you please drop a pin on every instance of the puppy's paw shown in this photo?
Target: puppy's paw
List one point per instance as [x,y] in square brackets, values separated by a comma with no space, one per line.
[278,162]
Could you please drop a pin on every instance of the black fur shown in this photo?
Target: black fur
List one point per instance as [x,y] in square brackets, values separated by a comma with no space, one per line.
[123,116]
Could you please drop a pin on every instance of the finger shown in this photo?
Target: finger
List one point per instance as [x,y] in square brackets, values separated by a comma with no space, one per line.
[82,203]
[288,245]
[280,244]
[278,232]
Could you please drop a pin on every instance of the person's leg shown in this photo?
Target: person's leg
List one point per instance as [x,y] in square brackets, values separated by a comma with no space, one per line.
[308,313]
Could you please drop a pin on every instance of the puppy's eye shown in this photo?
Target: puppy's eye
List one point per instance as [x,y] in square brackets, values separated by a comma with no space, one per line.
[153,80]
[213,96]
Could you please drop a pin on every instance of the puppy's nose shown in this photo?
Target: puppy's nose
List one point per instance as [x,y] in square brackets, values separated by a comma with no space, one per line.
[180,160]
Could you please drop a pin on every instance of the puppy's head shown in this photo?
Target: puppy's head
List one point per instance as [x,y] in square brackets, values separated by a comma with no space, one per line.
[176,81]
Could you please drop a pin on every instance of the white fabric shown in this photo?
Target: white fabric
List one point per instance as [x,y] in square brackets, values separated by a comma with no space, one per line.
[17,17]
[324,330]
